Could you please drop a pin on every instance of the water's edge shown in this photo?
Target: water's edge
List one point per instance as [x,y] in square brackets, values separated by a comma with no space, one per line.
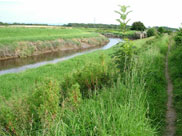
[18,65]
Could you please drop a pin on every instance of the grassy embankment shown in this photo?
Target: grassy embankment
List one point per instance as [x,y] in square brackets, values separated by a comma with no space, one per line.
[88,95]
[22,42]
[175,66]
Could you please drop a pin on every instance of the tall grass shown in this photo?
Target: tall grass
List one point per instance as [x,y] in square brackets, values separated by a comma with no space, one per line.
[175,67]
[122,108]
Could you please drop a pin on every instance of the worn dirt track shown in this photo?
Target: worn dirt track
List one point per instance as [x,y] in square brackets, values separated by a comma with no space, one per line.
[171,113]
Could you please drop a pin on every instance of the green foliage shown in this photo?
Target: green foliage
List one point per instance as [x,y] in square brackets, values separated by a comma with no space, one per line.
[161,30]
[168,30]
[106,26]
[89,78]
[151,32]
[74,96]
[123,54]
[116,33]
[139,26]
[178,38]
[123,17]
[2,23]
[37,111]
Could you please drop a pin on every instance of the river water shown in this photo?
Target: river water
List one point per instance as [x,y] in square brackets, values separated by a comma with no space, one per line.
[22,64]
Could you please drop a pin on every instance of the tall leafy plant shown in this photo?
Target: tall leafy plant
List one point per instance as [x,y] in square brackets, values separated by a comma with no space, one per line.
[123,20]
[123,54]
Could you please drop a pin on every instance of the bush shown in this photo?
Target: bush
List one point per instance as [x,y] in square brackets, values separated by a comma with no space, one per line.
[36,111]
[139,26]
[123,55]
[91,77]
[161,30]
[178,38]
[151,32]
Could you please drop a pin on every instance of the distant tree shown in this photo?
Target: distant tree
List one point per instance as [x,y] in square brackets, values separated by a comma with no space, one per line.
[139,26]
[151,32]
[123,12]
[1,23]
[178,37]
[161,30]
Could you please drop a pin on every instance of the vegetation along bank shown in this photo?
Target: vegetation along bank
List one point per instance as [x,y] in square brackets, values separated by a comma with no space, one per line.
[119,91]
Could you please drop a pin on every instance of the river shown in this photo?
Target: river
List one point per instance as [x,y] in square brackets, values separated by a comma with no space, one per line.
[22,64]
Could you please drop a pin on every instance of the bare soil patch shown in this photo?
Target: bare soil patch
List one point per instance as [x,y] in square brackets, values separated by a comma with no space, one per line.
[171,113]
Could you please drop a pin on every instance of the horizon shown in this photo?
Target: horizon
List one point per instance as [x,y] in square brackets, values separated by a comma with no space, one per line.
[61,24]
[99,12]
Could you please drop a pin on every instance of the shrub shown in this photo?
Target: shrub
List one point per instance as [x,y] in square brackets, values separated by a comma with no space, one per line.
[178,38]
[74,95]
[44,102]
[37,111]
[91,77]
[161,30]
[123,55]
[151,32]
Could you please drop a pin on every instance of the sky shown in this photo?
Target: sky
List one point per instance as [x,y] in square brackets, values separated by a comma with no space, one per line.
[150,12]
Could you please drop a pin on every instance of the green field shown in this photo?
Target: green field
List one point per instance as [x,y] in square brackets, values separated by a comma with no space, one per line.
[89,95]
[9,35]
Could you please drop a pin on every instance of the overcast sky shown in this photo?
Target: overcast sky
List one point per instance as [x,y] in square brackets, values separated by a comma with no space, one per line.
[150,12]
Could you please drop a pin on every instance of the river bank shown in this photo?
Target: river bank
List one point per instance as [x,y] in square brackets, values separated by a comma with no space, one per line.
[27,49]
[21,64]
[25,42]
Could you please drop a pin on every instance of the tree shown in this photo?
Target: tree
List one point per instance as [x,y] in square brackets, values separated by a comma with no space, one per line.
[178,37]
[138,26]
[123,17]
[161,30]
[151,32]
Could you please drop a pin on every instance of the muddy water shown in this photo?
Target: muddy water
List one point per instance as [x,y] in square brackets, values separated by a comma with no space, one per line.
[21,64]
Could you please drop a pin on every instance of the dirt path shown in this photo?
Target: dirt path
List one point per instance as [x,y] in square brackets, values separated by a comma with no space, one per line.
[171,113]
